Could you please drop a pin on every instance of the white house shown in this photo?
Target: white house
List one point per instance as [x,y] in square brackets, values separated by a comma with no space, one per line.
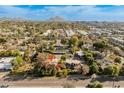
[47,32]
[5,63]
[82,32]
[69,33]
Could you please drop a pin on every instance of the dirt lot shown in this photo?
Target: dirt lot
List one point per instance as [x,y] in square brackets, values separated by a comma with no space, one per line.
[53,82]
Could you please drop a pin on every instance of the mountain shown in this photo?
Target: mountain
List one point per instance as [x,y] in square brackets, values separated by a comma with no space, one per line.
[57,19]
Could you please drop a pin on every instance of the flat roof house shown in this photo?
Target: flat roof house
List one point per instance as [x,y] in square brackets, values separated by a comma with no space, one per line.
[5,63]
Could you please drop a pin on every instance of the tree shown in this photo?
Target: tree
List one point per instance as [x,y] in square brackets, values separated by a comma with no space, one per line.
[94,68]
[116,70]
[27,56]
[108,70]
[2,40]
[54,70]
[88,56]
[80,43]
[63,57]
[122,70]
[74,49]
[73,41]
[100,45]
[63,41]
[51,48]
[41,59]
[41,69]
[117,60]
[112,70]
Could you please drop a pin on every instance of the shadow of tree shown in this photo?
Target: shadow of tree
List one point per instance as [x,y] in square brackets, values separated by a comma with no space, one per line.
[109,78]
[77,77]
[19,76]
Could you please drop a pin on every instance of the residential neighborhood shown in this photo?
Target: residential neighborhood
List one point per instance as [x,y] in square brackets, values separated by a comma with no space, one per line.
[65,51]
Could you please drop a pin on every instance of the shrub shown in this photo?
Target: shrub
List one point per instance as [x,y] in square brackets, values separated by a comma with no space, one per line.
[63,57]
[9,53]
[65,72]
[63,41]
[95,84]
[62,73]
[22,69]
[19,60]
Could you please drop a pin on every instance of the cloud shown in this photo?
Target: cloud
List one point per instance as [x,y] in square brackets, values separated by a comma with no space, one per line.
[12,11]
[90,13]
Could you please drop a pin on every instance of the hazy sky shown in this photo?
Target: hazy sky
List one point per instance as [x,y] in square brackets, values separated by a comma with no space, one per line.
[83,13]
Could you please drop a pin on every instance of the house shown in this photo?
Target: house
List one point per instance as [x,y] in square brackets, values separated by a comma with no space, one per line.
[70,61]
[47,33]
[59,52]
[117,41]
[22,48]
[59,48]
[5,63]
[82,32]
[79,54]
[99,55]
[69,33]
